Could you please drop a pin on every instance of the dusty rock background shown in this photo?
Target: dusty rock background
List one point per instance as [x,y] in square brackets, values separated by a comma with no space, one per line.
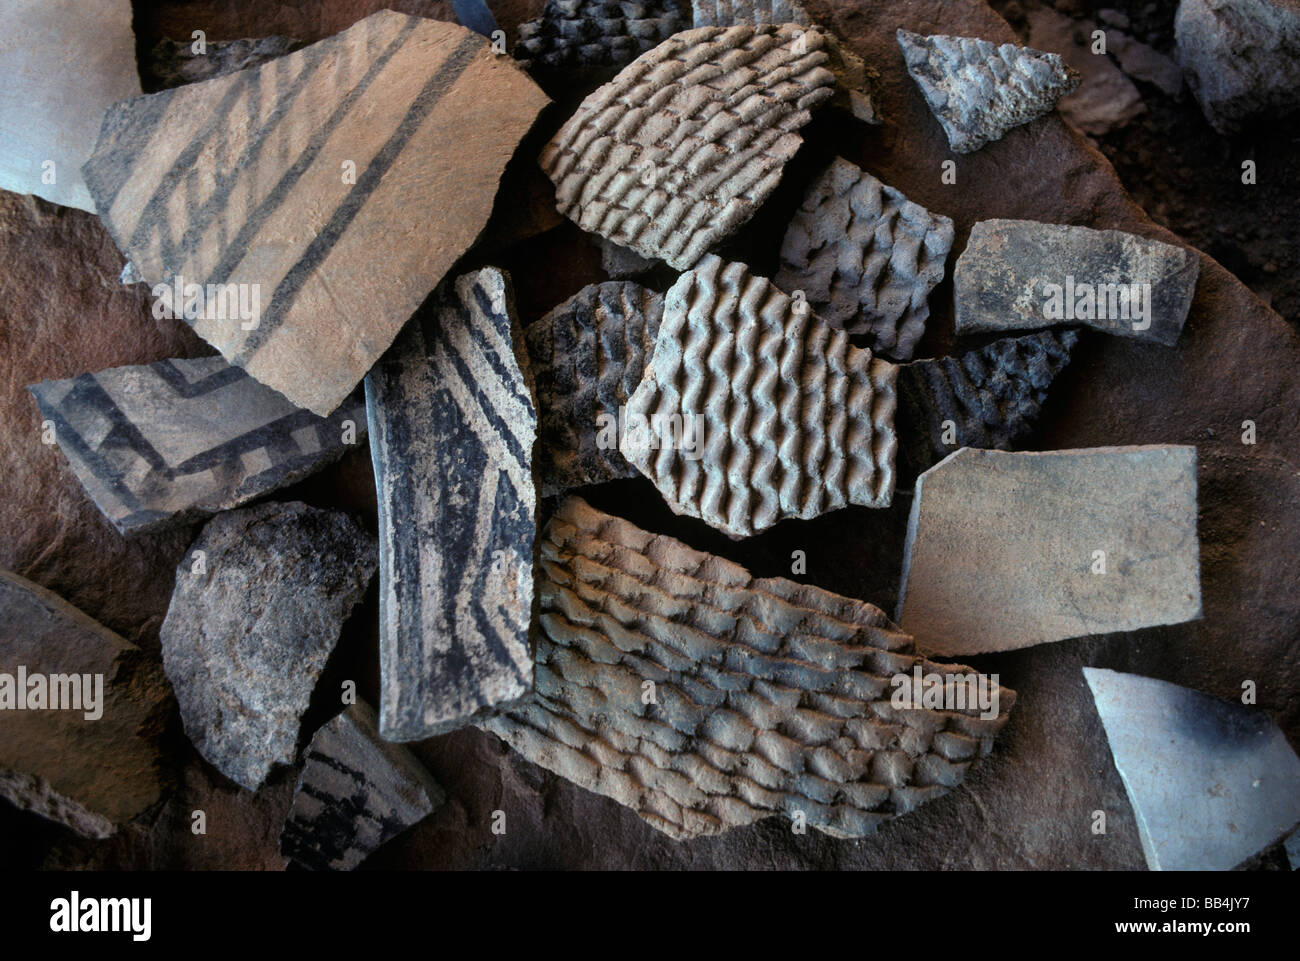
[1030,804]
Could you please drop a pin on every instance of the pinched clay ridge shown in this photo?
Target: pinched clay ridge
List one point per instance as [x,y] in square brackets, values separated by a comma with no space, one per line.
[776,414]
[979,90]
[769,697]
[595,33]
[866,257]
[588,355]
[991,395]
[682,147]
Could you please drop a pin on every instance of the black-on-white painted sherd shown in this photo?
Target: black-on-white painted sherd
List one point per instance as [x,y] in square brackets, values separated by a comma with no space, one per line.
[356,791]
[169,442]
[258,605]
[452,430]
[290,184]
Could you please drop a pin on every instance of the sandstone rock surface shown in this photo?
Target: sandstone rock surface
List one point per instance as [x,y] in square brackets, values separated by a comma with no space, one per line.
[169,442]
[704,698]
[753,410]
[94,765]
[356,792]
[338,147]
[681,148]
[865,257]
[253,620]
[1010,550]
[452,431]
[1020,274]
[979,90]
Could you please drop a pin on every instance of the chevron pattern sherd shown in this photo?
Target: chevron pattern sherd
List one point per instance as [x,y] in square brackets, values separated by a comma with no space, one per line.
[452,429]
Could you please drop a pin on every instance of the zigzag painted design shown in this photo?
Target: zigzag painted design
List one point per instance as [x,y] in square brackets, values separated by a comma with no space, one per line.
[167,443]
[770,697]
[991,395]
[587,356]
[595,33]
[793,420]
[866,258]
[979,90]
[680,149]
[453,425]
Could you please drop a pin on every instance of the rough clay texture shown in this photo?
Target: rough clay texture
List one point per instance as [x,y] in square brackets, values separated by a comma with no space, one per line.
[62,314]
[595,33]
[992,396]
[979,90]
[170,442]
[189,191]
[756,411]
[1001,280]
[770,697]
[90,774]
[866,258]
[621,263]
[680,149]
[356,792]
[63,62]
[1002,548]
[1211,782]
[587,357]
[172,63]
[251,624]
[1241,58]
[852,86]
[452,430]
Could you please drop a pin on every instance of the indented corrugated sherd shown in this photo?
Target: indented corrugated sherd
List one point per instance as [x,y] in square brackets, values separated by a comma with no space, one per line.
[703,698]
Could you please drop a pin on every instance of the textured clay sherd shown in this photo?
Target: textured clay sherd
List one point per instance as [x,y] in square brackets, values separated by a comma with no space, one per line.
[258,605]
[452,431]
[1010,550]
[356,792]
[621,263]
[991,396]
[92,763]
[588,355]
[704,699]
[753,410]
[852,90]
[168,442]
[288,184]
[979,90]
[1211,782]
[680,149]
[1021,274]
[595,33]
[173,64]
[866,258]
[63,63]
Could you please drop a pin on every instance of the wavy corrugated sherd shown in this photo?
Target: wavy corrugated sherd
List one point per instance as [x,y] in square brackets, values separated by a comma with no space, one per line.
[992,397]
[680,149]
[595,33]
[587,357]
[979,90]
[754,410]
[703,698]
[866,257]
